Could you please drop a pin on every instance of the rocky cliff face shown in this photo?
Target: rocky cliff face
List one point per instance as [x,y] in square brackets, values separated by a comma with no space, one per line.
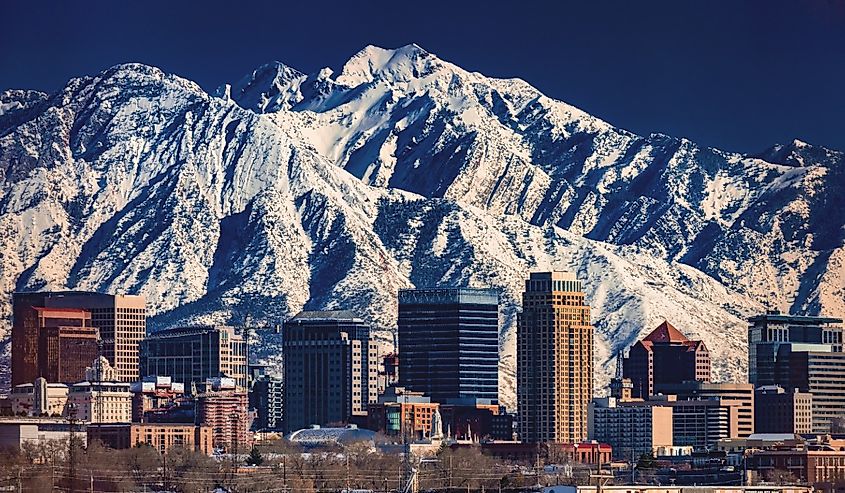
[287,190]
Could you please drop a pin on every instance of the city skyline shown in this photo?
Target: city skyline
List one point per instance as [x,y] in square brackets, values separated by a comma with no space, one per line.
[590,247]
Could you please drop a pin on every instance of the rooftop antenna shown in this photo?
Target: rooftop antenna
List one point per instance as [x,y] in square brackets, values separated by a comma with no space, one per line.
[620,355]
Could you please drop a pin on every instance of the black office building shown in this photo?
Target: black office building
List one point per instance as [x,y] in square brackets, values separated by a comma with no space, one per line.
[767,333]
[330,369]
[449,343]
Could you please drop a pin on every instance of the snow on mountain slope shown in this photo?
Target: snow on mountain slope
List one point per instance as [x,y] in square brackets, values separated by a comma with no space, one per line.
[406,119]
[288,190]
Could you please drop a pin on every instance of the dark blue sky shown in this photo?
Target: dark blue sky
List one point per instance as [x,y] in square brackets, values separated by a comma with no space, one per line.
[732,74]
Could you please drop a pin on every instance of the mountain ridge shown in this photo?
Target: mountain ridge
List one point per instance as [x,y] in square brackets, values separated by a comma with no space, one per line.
[288,190]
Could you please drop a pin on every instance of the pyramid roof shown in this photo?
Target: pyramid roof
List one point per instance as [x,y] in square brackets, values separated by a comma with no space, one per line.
[665,332]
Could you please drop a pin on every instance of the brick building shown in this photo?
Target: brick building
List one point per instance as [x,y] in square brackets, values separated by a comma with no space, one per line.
[401,411]
[225,409]
[810,466]
[163,437]
[663,358]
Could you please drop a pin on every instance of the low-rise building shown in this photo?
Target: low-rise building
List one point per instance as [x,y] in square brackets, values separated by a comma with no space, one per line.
[154,394]
[39,398]
[163,437]
[677,489]
[592,452]
[16,432]
[630,428]
[806,465]
[760,441]
[476,419]
[400,411]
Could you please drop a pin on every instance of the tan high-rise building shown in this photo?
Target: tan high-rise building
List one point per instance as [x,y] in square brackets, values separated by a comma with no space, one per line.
[554,359]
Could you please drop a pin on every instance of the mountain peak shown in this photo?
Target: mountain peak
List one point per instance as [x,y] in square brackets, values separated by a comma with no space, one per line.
[800,153]
[374,62]
[267,87]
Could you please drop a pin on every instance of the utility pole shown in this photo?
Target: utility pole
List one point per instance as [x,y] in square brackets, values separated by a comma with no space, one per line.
[98,367]
[164,471]
[285,472]
[235,432]
[406,457]
[72,446]
[347,472]
[450,471]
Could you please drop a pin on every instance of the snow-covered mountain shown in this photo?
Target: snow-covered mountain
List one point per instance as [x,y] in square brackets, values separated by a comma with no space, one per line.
[288,190]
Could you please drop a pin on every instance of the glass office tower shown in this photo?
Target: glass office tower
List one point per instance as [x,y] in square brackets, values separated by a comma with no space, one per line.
[449,343]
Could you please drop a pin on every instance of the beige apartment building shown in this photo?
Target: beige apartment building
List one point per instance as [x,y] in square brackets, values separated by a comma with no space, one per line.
[630,430]
[100,398]
[39,398]
[554,359]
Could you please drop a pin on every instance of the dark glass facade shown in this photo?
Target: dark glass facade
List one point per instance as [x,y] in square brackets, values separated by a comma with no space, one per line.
[767,333]
[194,354]
[803,353]
[449,343]
[330,369]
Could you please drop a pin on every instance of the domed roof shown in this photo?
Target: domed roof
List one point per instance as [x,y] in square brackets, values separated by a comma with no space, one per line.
[317,436]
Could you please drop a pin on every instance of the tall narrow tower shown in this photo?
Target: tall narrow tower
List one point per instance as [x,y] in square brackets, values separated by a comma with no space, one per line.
[554,359]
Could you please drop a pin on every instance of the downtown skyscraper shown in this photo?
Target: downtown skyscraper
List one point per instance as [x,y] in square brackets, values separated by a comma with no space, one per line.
[120,320]
[449,343]
[803,353]
[554,359]
[330,368]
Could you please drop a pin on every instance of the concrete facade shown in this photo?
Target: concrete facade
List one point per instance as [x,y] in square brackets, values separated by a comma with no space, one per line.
[632,430]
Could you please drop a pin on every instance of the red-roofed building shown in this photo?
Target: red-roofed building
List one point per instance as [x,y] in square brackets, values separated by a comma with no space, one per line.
[665,357]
